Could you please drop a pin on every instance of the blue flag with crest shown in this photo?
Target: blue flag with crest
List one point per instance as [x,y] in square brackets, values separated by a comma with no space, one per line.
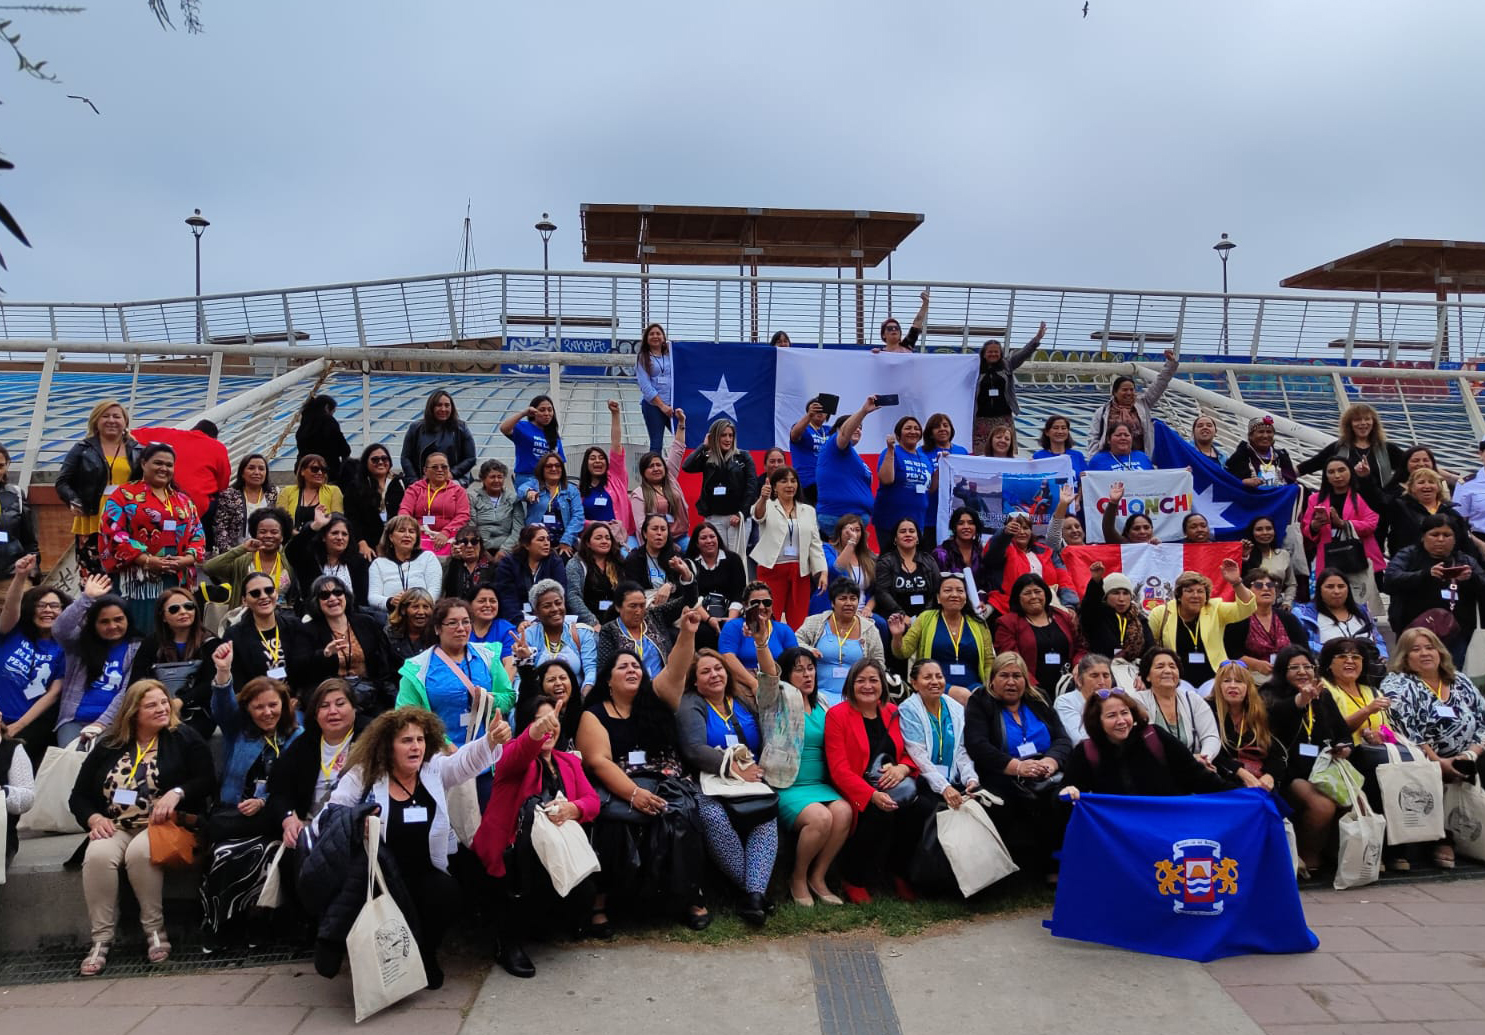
[1199,877]
[1217,495]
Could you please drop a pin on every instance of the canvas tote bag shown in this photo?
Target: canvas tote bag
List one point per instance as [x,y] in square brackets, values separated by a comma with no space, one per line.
[1412,796]
[563,850]
[972,845]
[386,966]
[1362,832]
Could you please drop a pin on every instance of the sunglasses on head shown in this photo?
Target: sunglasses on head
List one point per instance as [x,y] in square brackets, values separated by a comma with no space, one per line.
[256,594]
[1104,695]
[334,591]
[175,609]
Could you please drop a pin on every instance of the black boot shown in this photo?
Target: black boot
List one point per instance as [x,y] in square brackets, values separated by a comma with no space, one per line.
[753,910]
[511,955]
[329,955]
[433,972]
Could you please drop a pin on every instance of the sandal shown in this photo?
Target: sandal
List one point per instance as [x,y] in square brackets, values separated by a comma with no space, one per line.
[158,947]
[96,959]
[1443,857]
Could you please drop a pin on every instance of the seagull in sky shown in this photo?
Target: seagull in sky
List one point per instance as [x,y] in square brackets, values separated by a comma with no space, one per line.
[1085,8]
[90,104]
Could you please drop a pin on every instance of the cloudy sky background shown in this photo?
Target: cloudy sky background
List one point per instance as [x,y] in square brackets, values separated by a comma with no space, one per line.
[336,140]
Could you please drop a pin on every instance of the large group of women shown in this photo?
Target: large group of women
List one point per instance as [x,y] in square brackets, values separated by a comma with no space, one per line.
[458,644]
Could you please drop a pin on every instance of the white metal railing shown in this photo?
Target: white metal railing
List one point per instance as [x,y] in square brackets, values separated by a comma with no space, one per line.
[613,307]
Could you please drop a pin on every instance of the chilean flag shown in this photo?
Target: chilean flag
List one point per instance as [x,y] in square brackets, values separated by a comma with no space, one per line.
[1153,568]
[764,389]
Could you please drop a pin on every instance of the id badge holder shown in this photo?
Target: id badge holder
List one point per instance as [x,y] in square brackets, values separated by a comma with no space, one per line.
[1025,749]
[1309,750]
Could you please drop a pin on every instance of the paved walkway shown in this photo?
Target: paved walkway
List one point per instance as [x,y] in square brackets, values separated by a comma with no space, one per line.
[1407,959]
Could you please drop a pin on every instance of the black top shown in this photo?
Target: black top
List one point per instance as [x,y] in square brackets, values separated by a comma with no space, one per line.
[319,433]
[1100,623]
[307,560]
[407,831]
[984,737]
[452,440]
[310,667]
[85,472]
[363,508]
[895,589]
[1405,524]
[459,581]
[1413,590]
[250,652]
[1240,744]
[1189,645]
[878,741]
[195,697]
[736,477]
[291,784]
[1135,769]
[18,522]
[1303,733]
[1235,636]
[182,760]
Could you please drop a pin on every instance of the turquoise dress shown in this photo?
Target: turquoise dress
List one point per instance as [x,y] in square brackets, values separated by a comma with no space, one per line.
[812,785]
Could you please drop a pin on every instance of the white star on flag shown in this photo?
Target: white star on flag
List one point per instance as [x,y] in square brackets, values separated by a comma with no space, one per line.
[723,400]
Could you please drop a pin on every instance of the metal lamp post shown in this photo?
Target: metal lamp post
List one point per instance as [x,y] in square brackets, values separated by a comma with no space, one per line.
[546,228]
[1223,248]
[198,225]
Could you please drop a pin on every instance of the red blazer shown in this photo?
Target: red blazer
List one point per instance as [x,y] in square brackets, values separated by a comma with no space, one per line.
[517,777]
[847,754]
[1013,632]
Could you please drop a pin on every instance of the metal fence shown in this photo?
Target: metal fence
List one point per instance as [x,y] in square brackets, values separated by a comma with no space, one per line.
[491,306]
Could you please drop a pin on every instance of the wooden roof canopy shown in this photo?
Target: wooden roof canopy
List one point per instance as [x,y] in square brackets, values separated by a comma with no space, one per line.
[1401,265]
[706,235]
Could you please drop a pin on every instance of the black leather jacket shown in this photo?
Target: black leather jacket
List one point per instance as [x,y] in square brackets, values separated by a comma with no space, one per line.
[84,473]
[18,524]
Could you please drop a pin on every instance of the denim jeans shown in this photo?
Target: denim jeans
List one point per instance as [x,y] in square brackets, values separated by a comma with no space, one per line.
[655,423]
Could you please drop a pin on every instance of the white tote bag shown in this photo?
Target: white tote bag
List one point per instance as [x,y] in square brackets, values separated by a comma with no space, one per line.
[972,845]
[54,782]
[564,850]
[1412,796]
[1362,832]
[1464,818]
[386,966]
[463,799]
[273,889]
[1293,839]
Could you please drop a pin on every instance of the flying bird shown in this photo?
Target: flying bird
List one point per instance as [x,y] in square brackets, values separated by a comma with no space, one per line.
[1085,8]
[90,104]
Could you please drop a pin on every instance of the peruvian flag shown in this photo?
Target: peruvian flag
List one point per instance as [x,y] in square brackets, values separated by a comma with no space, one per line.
[1153,568]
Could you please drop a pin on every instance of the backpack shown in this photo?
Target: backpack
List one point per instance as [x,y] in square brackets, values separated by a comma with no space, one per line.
[1152,741]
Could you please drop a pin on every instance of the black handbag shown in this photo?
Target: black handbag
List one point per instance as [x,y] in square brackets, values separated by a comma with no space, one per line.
[619,810]
[906,791]
[747,813]
[1346,555]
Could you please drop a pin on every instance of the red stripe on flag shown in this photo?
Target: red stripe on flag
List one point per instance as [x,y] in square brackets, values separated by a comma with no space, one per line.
[1205,558]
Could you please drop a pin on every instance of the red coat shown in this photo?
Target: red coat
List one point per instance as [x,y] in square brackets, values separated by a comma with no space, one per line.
[202,468]
[518,777]
[1014,632]
[847,753]
[999,573]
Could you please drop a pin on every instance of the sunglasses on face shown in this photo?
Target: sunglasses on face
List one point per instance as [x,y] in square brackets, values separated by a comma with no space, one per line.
[380,460]
[326,594]
[315,469]
[175,609]
[1262,584]
[760,603]
[890,328]
[257,594]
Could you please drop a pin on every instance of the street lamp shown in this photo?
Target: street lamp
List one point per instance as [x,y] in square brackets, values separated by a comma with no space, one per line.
[546,228]
[198,225]
[1222,248]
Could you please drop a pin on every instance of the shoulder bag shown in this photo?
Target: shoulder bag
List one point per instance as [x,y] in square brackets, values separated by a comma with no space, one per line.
[747,803]
[1412,796]
[386,966]
[463,799]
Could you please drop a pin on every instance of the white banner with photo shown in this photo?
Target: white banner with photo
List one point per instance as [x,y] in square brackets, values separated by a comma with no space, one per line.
[1165,497]
[993,486]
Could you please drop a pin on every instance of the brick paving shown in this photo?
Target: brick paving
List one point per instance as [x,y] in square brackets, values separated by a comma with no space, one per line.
[1394,959]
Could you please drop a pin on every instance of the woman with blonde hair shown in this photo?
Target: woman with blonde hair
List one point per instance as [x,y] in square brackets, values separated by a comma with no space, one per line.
[103,460]
[146,766]
[1250,751]
[1361,441]
[1425,493]
[311,491]
[729,482]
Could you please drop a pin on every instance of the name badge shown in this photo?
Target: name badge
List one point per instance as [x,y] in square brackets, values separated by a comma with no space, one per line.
[1443,711]
[636,758]
[943,771]
[1272,658]
[549,519]
[277,672]
[1447,593]
[916,599]
[921,488]
[720,490]
[168,524]
[670,519]
[790,551]
[1309,750]
[415,814]
[731,740]
[428,520]
[604,605]
[4,537]
[1025,749]
[992,393]
[381,515]
[260,789]
[1052,659]
[125,796]
[956,669]
[600,501]
[839,671]
[464,719]
[526,608]
[1196,657]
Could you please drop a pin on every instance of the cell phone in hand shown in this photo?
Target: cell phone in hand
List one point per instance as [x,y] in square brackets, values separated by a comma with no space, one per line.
[887,400]
[1457,571]
[829,403]
[752,614]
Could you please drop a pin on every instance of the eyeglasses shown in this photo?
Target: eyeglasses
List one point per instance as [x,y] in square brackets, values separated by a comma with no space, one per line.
[1262,584]
[379,460]
[50,605]
[175,609]
[438,467]
[1301,667]
[458,623]
[326,594]
[257,594]
[1348,655]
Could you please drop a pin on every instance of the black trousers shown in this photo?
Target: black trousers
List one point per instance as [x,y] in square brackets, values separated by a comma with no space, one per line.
[436,897]
[883,842]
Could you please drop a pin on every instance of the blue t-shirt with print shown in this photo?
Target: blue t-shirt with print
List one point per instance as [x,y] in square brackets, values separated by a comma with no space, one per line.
[907,496]
[802,454]
[100,693]
[531,445]
[27,668]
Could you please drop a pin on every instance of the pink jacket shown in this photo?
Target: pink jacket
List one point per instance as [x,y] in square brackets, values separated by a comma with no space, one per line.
[450,510]
[517,777]
[1362,518]
[681,527]
[617,487]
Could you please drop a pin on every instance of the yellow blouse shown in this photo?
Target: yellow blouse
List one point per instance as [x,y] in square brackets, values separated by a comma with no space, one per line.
[1349,705]
[118,474]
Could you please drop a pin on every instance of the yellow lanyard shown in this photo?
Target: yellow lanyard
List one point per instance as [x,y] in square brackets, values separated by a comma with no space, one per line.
[725,718]
[257,502]
[938,729]
[1123,625]
[639,643]
[555,648]
[272,741]
[955,639]
[1194,630]
[278,566]
[1437,691]
[329,770]
[433,495]
[840,641]
[1309,720]
[139,757]
[275,652]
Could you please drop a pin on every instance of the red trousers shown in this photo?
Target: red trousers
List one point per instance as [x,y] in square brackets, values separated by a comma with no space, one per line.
[791,592]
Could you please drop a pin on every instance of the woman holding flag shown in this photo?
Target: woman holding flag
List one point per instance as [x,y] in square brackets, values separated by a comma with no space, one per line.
[1126,753]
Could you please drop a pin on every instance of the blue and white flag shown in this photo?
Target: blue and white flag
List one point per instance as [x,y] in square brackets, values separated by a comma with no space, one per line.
[1198,877]
[1228,505]
[764,389]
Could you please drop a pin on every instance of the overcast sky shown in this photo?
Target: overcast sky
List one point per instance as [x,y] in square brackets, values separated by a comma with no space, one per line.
[335,140]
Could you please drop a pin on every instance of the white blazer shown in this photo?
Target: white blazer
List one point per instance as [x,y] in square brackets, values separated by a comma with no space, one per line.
[775,526]
[440,773]
[913,716]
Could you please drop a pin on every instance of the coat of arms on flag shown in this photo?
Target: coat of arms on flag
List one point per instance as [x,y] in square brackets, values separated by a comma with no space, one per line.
[1197,873]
